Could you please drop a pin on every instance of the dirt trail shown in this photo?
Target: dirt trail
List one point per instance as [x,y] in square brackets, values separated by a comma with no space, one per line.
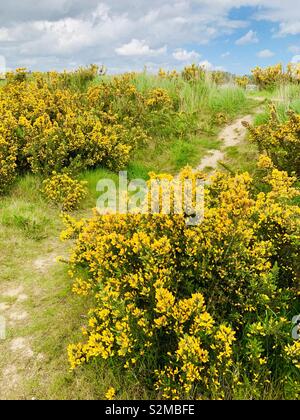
[230,136]
[21,362]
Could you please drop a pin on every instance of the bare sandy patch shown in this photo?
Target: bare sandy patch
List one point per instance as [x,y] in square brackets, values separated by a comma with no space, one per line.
[230,136]
[4,306]
[18,315]
[22,298]
[13,292]
[42,264]
[10,379]
[211,161]
[20,345]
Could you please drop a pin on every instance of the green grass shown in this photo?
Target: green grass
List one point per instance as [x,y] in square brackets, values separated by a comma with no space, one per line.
[172,155]
[230,101]
[284,99]
[241,158]
[287,93]
[92,177]
[199,104]
[29,231]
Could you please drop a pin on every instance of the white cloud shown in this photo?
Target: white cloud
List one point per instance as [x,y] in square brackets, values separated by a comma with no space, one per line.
[139,48]
[226,54]
[286,13]
[184,55]
[296,59]
[4,35]
[207,65]
[265,54]
[249,38]
[59,33]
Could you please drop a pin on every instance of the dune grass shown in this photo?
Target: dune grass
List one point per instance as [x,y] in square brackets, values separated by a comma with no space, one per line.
[285,98]
[200,104]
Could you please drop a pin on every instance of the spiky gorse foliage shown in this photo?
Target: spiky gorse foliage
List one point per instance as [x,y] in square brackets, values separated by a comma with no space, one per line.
[280,140]
[203,311]
[270,77]
[193,73]
[171,75]
[218,77]
[58,121]
[293,72]
[293,351]
[242,81]
[63,190]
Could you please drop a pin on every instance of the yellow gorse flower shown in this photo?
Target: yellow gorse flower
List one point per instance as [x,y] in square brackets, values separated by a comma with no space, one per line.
[186,295]
[110,394]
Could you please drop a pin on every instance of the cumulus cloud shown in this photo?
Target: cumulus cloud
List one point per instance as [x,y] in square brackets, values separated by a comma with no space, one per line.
[265,54]
[207,65]
[64,33]
[4,35]
[184,55]
[249,38]
[139,48]
[285,13]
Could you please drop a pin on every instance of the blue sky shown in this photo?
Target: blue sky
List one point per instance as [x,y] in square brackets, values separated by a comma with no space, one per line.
[125,35]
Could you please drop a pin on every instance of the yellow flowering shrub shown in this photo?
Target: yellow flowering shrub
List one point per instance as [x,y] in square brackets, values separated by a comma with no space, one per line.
[271,76]
[268,77]
[218,77]
[158,99]
[220,118]
[20,75]
[171,75]
[280,140]
[80,78]
[54,121]
[200,365]
[62,190]
[293,352]
[198,310]
[193,73]
[8,148]
[293,72]
[242,81]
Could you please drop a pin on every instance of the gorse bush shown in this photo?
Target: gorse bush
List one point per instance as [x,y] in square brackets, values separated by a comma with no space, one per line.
[193,73]
[81,78]
[242,81]
[48,126]
[196,312]
[218,77]
[280,140]
[268,77]
[171,75]
[293,72]
[62,190]
[78,120]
